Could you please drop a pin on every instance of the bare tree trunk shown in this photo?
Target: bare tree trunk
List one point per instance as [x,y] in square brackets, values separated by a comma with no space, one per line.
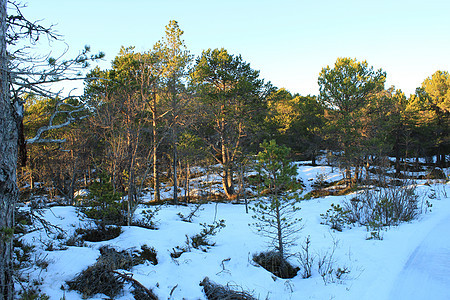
[131,193]
[175,167]
[241,182]
[174,115]
[367,168]
[31,180]
[188,175]
[133,142]
[355,179]
[279,228]
[397,154]
[227,180]
[73,179]
[313,159]
[157,196]
[8,165]
[348,176]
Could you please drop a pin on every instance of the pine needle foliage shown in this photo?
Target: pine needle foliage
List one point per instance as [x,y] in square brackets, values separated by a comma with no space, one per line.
[275,212]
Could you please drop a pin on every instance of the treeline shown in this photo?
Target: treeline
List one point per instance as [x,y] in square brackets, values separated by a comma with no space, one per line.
[154,115]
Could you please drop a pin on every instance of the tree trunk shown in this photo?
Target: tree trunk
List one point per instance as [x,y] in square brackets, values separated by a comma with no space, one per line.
[175,167]
[348,176]
[157,196]
[356,177]
[227,181]
[279,228]
[313,159]
[31,180]
[186,188]
[133,143]
[73,182]
[367,168]
[397,154]
[8,165]
[174,113]
[131,193]
[73,179]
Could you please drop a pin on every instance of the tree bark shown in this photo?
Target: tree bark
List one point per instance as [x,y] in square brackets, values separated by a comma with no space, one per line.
[157,196]
[175,169]
[8,166]
[186,184]
[279,228]
[397,154]
[227,180]
[174,115]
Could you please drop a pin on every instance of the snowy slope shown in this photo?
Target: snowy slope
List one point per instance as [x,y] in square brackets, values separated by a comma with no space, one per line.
[412,258]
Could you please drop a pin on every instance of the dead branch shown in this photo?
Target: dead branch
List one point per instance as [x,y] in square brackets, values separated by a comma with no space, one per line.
[214,291]
[128,277]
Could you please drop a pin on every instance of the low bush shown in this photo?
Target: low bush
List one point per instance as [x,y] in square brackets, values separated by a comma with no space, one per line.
[200,240]
[148,219]
[320,181]
[32,294]
[336,217]
[22,253]
[104,204]
[74,240]
[22,219]
[149,254]
[276,264]
[436,174]
[385,206]
[99,233]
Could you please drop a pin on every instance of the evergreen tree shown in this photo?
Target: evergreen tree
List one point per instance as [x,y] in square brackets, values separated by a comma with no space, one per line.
[345,91]
[275,214]
[296,121]
[431,108]
[175,59]
[231,95]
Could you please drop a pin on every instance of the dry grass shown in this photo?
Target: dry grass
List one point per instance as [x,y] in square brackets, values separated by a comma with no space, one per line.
[214,291]
[276,264]
[101,276]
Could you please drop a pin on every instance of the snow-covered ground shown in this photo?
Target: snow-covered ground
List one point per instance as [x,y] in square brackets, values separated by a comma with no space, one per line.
[412,261]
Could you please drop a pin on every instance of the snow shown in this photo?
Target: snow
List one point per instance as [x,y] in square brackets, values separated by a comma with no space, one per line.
[425,274]
[411,262]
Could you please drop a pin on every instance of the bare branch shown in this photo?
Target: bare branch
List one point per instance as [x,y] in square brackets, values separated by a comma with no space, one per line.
[70,118]
[136,284]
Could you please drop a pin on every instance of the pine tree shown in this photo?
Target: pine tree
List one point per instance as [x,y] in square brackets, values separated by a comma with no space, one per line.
[275,213]
[345,91]
[175,57]
[231,94]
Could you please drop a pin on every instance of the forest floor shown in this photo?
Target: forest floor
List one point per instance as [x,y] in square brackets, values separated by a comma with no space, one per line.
[408,261]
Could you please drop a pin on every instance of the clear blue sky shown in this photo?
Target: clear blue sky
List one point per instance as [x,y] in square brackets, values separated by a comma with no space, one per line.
[288,41]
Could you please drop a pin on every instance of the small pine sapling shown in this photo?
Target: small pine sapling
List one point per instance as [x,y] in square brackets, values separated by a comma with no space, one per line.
[104,203]
[275,213]
[337,217]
